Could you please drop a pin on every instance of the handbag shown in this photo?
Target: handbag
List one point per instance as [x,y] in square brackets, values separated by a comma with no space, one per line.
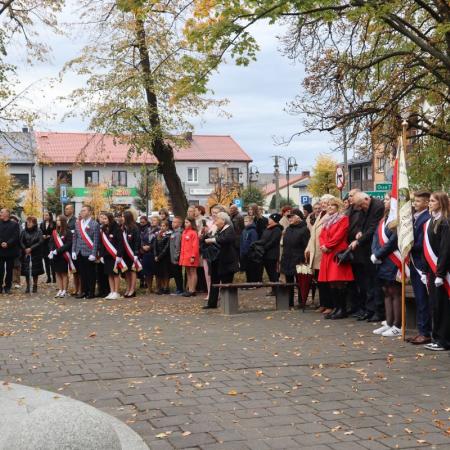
[344,256]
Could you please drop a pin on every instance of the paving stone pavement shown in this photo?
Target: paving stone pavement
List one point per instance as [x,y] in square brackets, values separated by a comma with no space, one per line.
[183,377]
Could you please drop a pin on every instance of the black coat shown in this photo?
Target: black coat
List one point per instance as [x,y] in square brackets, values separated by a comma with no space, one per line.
[295,240]
[369,223]
[47,236]
[355,218]
[9,233]
[227,259]
[114,235]
[270,240]
[261,225]
[32,238]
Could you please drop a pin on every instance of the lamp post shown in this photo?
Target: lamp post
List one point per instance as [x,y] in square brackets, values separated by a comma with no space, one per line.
[253,174]
[290,165]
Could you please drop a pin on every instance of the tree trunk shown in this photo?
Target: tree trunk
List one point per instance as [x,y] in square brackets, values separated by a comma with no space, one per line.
[160,149]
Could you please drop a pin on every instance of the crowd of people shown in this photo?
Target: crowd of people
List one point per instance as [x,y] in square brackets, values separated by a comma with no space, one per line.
[348,248]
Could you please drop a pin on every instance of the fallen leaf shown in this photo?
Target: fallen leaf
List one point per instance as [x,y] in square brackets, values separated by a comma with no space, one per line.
[232,392]
[93,334]
[186,433]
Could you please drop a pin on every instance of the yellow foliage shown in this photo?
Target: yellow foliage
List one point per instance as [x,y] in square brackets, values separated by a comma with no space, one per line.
[32,205]
[159,199]
[323,180]
[8,187]
[98,199]
[223,195]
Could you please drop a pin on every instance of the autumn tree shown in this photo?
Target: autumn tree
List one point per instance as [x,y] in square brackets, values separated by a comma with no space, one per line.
[20,23]
[144,188]
[159,199]
[323,179]
[252,194]
[223,194]
[139,86]
[9,191]
[32,204]
[98,198]
[366,62]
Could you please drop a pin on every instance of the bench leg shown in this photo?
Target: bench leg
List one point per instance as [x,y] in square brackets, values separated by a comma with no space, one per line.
[282,298]
[229,300]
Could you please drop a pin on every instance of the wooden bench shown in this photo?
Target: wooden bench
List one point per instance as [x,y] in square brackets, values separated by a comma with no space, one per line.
[229,299]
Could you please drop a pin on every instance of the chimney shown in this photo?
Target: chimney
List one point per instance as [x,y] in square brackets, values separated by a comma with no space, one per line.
[25,129]
[305,173]
[188,136]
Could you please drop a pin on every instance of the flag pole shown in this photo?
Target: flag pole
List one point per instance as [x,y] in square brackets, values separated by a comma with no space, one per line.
[404,127]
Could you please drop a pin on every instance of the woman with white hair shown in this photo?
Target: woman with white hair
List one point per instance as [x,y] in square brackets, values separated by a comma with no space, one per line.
[224,256]
[313,254]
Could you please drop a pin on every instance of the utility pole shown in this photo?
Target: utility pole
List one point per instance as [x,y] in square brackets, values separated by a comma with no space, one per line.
[277,183]
[346,174]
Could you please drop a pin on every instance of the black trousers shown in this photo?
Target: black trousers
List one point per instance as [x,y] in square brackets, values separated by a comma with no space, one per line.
[271,266]
[374,291]
[88,271]
[216,279]
[49,269]
[102,281]
[440,305]
[8,264]
[358,290]
[177,273]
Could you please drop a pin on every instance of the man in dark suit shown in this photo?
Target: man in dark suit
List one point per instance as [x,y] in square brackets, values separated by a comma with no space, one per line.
[84,249]
[9,248]
[417,269]
[372,211]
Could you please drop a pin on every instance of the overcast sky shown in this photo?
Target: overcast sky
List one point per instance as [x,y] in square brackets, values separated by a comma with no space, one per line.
[257,96]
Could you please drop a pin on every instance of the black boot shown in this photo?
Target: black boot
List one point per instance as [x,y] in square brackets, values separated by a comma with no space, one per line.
[28,289]
[34,287]
[341,310]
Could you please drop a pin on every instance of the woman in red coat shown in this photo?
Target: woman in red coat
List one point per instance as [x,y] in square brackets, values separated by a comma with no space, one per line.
[190,254]
[333,239]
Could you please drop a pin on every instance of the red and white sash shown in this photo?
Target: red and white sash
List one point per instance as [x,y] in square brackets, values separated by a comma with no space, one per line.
[137,266]
[59,243]
[431,257]
[84,235]
[395,256]
[120,263]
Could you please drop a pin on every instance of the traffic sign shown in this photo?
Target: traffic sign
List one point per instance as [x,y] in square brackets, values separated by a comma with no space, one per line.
[385,186]
[340,178]
[64,198]
[377,194]
[238,202]
[304,199]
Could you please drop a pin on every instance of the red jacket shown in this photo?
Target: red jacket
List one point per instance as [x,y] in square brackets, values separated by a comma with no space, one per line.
[190,247]
[335,239]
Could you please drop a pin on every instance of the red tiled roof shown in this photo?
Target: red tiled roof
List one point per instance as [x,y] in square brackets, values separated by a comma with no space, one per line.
[70,148]
[270,188]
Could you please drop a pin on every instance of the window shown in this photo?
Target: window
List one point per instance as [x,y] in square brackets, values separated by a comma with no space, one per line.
[192,175]
[357,174]
[367,173]
[64,177]
[380,165]
[90,177]
[233,175]
[213,175]
[119,178]
[21,179]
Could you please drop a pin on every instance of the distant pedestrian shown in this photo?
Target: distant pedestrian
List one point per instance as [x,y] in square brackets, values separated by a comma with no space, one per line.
[9,249]
[31,245]
[175,252]
[190,255]
[47,226]
[162,258]
[248,236]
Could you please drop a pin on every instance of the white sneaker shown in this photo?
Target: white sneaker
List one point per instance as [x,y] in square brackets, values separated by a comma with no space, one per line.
[58,294]
[382,329]
[115,296]
[63,294]
[109,296]
[434,346]
[392,332]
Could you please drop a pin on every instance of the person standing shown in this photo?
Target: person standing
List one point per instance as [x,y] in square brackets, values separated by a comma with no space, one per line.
[47,226]
[190,255]
[372,211]
[131,245]
[31,245]
[260,221]
[71,223]
[17,264]
[238,222]
[295,240]
[333,240]
[225,264]
[417,269]
[162,258]
[436,246]
[85,247]
[313,253]
[9,249]
[285,212]
[248,236]
[60,246]
[175,251]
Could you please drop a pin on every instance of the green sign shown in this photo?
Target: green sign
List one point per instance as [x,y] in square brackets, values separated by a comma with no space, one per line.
[377,194]
[385,187]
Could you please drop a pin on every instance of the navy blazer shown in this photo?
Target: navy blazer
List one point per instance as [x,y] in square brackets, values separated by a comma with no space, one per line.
[387,270]
[417,249]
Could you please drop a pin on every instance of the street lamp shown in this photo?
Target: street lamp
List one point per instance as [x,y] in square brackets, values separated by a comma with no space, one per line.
[291,164]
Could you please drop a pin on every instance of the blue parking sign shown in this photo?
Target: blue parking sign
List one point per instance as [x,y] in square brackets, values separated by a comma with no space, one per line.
[304,199]
[238,202]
